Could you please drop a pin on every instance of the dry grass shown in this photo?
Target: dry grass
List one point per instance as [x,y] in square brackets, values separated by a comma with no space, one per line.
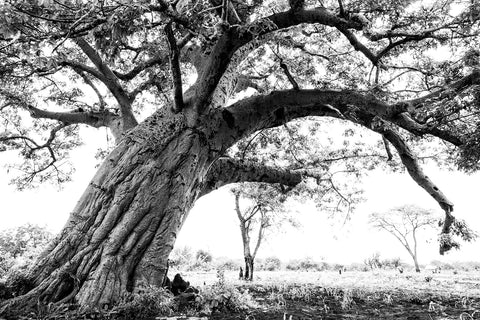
[462,283]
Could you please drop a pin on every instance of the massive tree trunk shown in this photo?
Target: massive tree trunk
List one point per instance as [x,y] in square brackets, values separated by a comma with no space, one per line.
[124,226]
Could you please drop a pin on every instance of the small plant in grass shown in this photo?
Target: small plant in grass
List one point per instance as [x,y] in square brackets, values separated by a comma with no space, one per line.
[303,293]
[277,300]
[347,300]
[387,298]
[223,296]
[151,302]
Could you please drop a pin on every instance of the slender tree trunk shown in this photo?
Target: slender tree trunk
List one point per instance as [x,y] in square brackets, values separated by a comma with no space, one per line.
[121,232]
[249,267]
[415,261]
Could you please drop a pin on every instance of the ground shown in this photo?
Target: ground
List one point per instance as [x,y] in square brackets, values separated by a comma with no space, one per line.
[384,294]
[293,295]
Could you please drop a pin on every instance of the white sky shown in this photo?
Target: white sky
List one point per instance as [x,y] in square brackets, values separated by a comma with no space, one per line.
[212,223]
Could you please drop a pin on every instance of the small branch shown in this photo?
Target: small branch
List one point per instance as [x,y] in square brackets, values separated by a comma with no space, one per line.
[289,76]
[175,68]
[101,102]
[357,45]
[284,67]
[225,11]
[341,9]
[387,149]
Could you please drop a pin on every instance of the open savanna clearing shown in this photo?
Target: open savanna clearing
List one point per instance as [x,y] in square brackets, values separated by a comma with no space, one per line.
[354,295]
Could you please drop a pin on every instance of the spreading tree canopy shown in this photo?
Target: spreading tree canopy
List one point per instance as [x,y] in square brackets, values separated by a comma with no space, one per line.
[211,74]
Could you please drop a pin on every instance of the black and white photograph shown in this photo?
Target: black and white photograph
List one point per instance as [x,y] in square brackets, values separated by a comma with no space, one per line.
[239,159]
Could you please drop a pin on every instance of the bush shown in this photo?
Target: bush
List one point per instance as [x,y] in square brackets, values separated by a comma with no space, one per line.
[305,264]
[293,265]
[203,256]
[373,262]
[182,258]
[271,264]
[228,264]
[20,246]
[357,267]
[148,303]
[7,263]
[393,263]
[223,297]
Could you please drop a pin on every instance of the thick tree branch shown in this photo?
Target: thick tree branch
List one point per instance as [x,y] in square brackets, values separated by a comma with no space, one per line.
[447,91]
[414,169]
[227,170]
[94,119]
[259,112]
[84,68]
[91,118]
[235,37]
[111,81]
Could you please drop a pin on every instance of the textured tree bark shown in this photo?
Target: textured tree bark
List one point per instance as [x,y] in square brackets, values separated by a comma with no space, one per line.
[248,268]
[124,226]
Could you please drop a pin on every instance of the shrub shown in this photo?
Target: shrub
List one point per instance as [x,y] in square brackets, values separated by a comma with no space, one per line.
[203,256]
[305,264]
[182,258]
[357,267]
[7,263]
[19,247]
[228,264]
[272,264]
[391,263]
[293,265]
[308,264]
[223,297]
[148,303]
[373,262]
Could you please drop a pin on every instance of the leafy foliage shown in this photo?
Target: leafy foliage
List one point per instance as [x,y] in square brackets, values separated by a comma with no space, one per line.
[223,296]
[20,246]
[151,302]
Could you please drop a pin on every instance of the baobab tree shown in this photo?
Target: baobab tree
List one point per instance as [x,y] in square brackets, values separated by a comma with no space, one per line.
[72,63]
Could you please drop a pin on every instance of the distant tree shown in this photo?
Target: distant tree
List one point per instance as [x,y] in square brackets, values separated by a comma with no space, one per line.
[203,256]
[19,246]
[264,212]
[17,241]
[181,257]
[404,223]
[373,262]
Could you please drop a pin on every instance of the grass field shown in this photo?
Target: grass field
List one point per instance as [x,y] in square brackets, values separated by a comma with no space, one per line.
[383,294]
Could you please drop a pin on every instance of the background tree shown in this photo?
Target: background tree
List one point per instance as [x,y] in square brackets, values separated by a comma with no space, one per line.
[161,77]
[19,240]
[405,223]
[265,211]
[21,243]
